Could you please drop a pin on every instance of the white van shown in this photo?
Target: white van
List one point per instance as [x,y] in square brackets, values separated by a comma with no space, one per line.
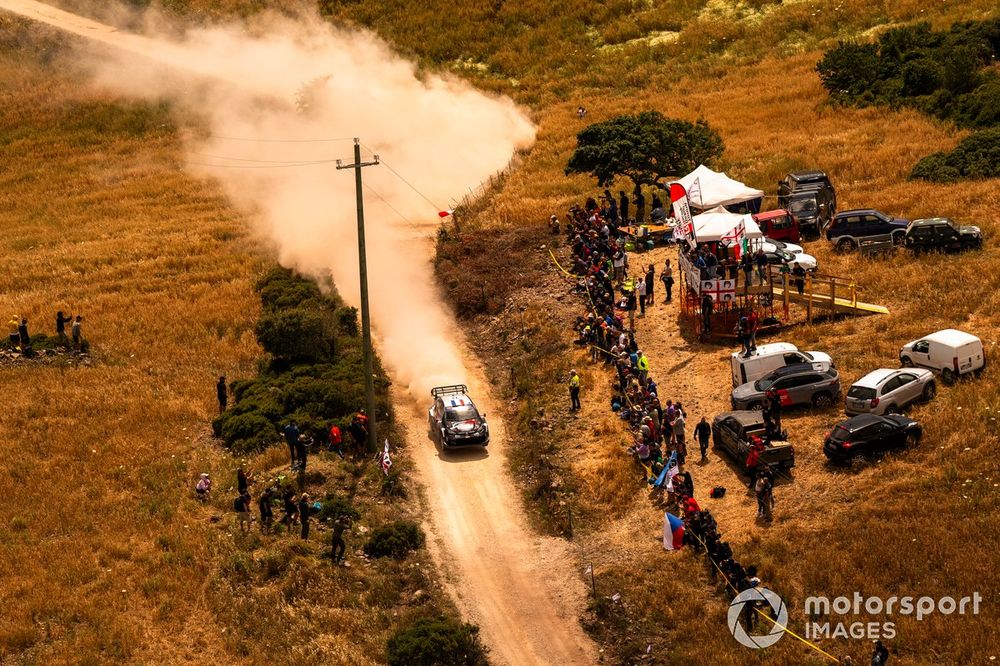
[768,358]
[952,353]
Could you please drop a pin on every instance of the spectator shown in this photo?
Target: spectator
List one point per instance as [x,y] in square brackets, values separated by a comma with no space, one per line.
[222,393]
[61,322]
[76,332]
[753,459]
[800,277]
[574,390]
[242,481]
[703,431]
[623,206]
[760,260]
[639,199]
[707,306]
[650,278]
[880,655]
[336,440]
[667,277]
[554,225]
[746,263]
[242,507]
[291,432]
[753,322]
[581,112]
[266,511]
[339,547]
[204,487]
[304,510]
[679,438]
[640,295]
[288,503]
[302,449]
[22,334]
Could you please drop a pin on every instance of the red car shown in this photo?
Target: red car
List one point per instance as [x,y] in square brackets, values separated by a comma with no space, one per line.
[778,224]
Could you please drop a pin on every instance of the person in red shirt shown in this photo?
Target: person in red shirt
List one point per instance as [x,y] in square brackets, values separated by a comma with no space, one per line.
[754,323]
[336,440]
[753,459]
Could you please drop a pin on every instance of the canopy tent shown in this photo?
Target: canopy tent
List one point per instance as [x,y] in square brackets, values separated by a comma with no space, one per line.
[718,223]
[714,189]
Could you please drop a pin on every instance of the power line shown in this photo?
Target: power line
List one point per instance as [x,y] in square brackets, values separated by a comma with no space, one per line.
[246,159]
[408,183]
[262,166]
[256,140]
[386,202]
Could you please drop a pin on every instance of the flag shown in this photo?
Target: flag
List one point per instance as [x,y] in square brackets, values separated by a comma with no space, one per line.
[672,471]
[673,531]
[385,462]
[695,190]
[682,213]
[736,238]
[665,476]
[445,213]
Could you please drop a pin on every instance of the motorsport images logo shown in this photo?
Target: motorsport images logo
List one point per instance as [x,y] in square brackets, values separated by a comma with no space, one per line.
[744,604]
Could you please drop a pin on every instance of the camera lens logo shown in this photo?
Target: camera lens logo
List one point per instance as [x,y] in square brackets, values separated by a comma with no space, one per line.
[744,604]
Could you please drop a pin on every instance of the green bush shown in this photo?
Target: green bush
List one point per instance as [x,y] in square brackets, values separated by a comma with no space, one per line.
[334,506]
[395,540]
[436,642]
[296,334]
[244,433]
[977,156]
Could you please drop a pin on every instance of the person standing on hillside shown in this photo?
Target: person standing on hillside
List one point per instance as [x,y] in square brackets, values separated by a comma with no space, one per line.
[799,274]
[242,507]
[266,511]
[880,655]
[623,207]
[61,322]
[22,334]
[703,431]
[76,332]
[574,391]
[707,305]
[650,282]
[640,295]
[337,540]
[639,199]
[222,393]
[667,277]
[304,510]
[288,503]
[302,450]
[679,437]
[336,440]
[242,481]
[291,433]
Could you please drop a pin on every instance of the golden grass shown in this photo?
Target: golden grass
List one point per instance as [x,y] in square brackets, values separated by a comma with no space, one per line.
[106,555]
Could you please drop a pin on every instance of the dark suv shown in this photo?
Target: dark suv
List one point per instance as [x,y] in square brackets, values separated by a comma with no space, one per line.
[849,227]
[810,198]
[940,233]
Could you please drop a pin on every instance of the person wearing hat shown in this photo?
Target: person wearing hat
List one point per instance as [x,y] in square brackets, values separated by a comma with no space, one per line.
[554,224]
[304,509]
[204,487]
[574,390]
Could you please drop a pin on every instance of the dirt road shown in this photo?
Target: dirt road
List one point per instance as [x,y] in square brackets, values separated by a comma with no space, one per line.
[521,589]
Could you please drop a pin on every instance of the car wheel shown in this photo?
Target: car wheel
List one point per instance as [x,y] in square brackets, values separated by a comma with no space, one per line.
[755,406]
[906,361]
[897,237]
[912,440]
[845,245]
[948,376]
[892,409]
[822,400]
[930,391]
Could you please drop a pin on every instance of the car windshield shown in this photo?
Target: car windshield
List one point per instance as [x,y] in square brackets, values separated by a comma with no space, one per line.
[802,206]
[460,413]
[808,355]
[861,393]
[840,434]
[763,384]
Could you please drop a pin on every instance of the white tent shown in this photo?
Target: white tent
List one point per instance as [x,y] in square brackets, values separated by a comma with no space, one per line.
[719,222]
[716,189]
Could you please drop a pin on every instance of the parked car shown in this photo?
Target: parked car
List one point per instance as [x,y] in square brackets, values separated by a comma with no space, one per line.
[791,248]
[941,233]
[777,257]
[809,197]
[867,434]
[817,384]
[888,391]
[769,358]
[454,420]
[952,353]
[731,431]
[778,224]
[850,226]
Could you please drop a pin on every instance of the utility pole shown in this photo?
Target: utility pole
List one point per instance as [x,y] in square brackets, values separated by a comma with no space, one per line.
[366,326]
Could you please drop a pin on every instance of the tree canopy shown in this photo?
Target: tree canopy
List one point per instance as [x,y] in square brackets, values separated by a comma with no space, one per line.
[643,147]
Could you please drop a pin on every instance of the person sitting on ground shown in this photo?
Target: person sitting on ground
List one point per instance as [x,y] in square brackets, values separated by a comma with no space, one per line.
[204,487]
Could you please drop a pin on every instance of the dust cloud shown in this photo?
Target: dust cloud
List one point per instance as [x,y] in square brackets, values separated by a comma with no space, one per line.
[266,92]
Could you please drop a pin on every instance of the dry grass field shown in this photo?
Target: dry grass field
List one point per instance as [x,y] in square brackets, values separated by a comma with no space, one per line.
[108,558]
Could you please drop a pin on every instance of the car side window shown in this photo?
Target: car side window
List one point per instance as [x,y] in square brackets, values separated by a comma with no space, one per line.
[922,347]
[905,379]
[791,358]
[891,385]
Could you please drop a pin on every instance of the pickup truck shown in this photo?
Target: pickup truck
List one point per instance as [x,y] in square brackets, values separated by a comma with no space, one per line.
[732,431]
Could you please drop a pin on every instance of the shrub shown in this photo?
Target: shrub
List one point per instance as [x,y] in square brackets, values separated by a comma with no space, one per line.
[244,433]
[395,540]
[294,334]
[848,70]
[334,506]
[436,642]
[977,156]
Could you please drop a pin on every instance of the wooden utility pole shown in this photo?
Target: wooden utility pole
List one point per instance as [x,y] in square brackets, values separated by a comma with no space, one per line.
[366,327]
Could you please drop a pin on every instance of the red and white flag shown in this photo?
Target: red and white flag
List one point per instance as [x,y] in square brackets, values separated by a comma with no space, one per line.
[735,237]
[445,213]
[385,462]
[682,213]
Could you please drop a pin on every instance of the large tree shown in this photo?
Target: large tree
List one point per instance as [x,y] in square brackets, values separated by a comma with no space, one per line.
[644,147]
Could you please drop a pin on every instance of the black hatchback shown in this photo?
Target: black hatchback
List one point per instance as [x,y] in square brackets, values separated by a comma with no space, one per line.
[868,434]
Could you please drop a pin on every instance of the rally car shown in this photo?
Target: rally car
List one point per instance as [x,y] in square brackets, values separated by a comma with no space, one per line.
[454,420]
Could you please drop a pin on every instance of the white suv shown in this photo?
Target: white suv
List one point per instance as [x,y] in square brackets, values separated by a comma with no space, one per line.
[889,391]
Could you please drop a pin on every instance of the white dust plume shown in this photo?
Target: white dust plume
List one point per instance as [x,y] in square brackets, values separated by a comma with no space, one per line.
[267,92]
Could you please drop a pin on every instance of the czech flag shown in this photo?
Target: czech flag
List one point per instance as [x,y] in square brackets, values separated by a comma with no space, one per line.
[673,531]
